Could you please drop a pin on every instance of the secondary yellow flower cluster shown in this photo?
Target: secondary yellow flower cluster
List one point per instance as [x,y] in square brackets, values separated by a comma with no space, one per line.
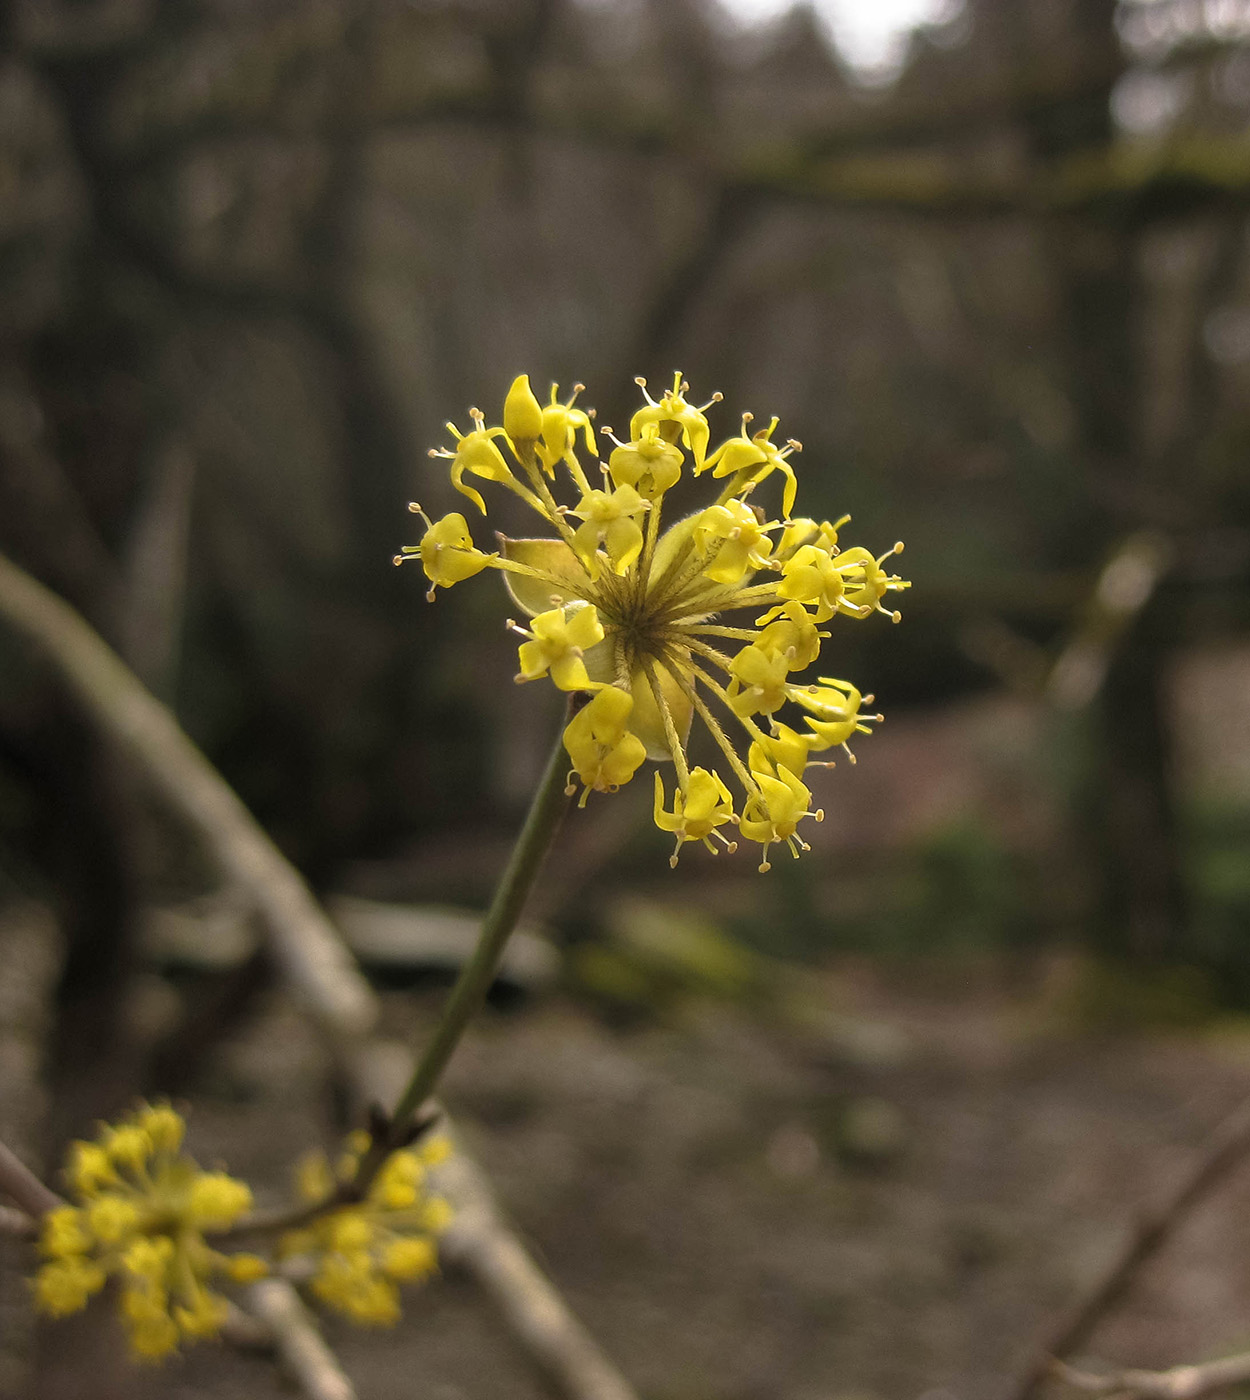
[627,612]
[142,1210]
[361,1252]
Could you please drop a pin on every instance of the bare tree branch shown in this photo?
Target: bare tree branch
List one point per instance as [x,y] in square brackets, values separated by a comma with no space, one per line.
[298,1341]
[1225,1148]
[31,956]
[21,1185]
[1178,1383]
[16,1222]
[533,1311]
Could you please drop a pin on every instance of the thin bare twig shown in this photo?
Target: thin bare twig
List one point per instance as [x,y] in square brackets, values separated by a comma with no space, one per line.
[1225,1147]
[31,956]
[298,1341]
[16,1222]
[533,1311]
[23,1187]
[1178,1383]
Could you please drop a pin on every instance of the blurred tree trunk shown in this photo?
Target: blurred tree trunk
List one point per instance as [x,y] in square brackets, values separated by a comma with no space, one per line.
[1128,804]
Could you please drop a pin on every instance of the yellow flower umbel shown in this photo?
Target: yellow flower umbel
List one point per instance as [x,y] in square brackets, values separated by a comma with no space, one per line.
[360,1253]
[627,609]
[142,1211]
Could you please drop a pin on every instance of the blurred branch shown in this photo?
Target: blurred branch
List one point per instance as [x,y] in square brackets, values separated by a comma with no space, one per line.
[293,1331]
[301,939]
[21,1185]
[31,956]
[1126,584]
[43,514]
[1071,678]
[157,567]
[731,211]
[1224,1149]
[306,948]
[533,1311]
[1178,1383]
[16,1222]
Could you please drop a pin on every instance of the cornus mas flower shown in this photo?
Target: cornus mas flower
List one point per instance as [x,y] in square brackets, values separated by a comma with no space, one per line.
[142,1211]
[360,1253]
[658,623]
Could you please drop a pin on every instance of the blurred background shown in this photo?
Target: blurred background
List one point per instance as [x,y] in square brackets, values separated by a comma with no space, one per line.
[988,261]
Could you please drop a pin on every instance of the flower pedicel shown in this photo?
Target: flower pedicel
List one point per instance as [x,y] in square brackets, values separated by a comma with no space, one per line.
[628,609]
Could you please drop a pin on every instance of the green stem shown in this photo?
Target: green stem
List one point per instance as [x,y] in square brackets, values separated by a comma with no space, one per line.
[469,993]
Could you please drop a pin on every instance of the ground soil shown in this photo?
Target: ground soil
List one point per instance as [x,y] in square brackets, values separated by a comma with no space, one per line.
[739,1216]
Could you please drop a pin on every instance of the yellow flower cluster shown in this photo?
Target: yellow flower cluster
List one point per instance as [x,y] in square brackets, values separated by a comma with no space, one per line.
[361,1252]
[142,1207]
[627,613]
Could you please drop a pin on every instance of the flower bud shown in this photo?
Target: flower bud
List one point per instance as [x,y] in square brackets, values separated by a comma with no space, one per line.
[522,413]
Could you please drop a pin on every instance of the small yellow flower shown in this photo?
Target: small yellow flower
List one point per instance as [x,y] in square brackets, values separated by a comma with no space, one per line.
[164,1127]
[359,1251]
[558,642]
[215,1201]
[446,551]
[834,716]
[64,1285]
[754,458]
[246,1268]
[89,1167]
[639,611]
[409,1259]
[759,685]
[775,814]
[476,452]
[560,425]
[611,520]
[111,1217]
[736,537]
[674,417]
[785,748]
[62,1232]
[434,1150]
[142,1211]
[698,810]
[605,754]
[648,464]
